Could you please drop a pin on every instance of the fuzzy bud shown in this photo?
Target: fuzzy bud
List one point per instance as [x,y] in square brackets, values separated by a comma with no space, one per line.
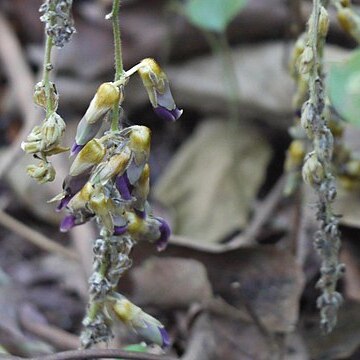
[107,95]
[91,154]
[43,173]
[295,155]
[323,22]
[306,60]
[40,95]
[157,86]
[313,172]
[116,165]
[144,324]
[52,130]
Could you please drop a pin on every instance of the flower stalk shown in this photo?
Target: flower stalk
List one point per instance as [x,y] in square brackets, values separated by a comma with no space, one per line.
[317,169]
[119,69]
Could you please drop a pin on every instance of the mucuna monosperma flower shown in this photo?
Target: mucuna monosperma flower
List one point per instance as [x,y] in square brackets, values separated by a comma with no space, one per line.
[109,181]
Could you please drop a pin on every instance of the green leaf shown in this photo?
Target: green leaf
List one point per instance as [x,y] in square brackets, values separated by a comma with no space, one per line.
[344,88]
[136,348]
[213,15]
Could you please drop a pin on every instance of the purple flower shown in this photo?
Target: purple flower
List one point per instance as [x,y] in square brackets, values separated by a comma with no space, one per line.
[120,230]
[67,223]
[168,115]
[165,337]
[63,202]
[165,233]
[124,187]
[75,149]
[156,334]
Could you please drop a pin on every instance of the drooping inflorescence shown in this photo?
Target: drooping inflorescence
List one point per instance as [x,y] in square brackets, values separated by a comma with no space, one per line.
[108,182]
[109,178]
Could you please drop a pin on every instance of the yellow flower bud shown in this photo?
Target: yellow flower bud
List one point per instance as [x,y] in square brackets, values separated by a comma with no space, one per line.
[295,155]
[52,130]
[153,78]
[139,143]
[323,22]
[100,205]
[350,22]
[106,96]
[91,154]
[352,168]
[81,199]
[144,324]
[116,165]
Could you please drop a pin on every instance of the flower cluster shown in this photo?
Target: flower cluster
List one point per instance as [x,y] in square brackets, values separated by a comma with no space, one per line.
[108,181]
[59,24]
[44,141]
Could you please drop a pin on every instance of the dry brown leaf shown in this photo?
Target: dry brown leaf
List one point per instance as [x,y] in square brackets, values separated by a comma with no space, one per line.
[170,282]
[213,179]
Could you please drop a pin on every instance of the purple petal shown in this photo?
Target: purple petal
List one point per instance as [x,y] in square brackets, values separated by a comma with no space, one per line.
[168,115]
[124,187]
[119,230]
[67,223]
[140,213]
[165,337]
[63,202]
[73,184]
[165,232]
[75,149]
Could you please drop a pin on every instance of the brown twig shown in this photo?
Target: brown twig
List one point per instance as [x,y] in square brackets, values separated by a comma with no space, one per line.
[21,79]
[94,354]
[61,339]
[264,211]
[34,237]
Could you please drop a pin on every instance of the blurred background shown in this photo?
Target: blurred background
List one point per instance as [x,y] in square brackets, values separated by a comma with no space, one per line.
[237,280]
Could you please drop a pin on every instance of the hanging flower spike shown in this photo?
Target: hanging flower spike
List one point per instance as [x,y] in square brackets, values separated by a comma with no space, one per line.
[144,324]
[157,86]
[106,96]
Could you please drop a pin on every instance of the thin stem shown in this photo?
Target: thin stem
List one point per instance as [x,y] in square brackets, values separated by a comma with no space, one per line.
[119,70]
[95,354]
[35,237]
[220,46]
[47,67]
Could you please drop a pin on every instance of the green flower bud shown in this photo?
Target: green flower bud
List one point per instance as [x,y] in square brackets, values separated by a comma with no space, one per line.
[313,172]
[323,22]
[40,95]
[43,173]
[306,60]
[52,130]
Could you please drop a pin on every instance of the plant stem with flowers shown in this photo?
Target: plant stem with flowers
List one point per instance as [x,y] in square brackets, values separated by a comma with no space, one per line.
[108,181]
